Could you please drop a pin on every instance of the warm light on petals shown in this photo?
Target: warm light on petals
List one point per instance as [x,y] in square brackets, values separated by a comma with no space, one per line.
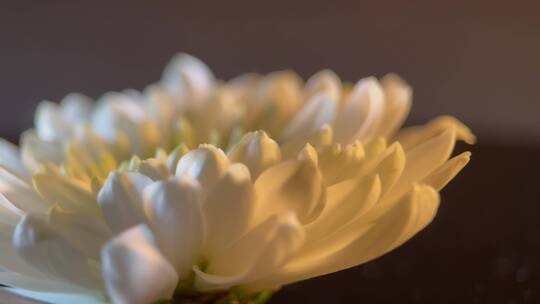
[197,187]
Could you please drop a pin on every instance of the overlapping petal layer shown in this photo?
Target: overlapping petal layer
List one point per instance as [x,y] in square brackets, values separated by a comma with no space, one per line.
[197,185]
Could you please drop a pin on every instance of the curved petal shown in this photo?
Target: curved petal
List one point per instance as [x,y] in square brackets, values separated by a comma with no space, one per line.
[207,164]
[257,151]
[27,284]
[35,151]
[76,107]
[53,297]
[10,261]
[318,111]
[70,194]
[121,199]
[228,209]
[51,254]
[397,102]
[188,79]
[290,186]
[339,163]
[346,201]
[134,270]
[20,194]
[324,81]
[361,113]
[10,158]
[49,123]
[446,172]
[263,249]
[173,209]
[155,169]
[85,232]
[423,159]
[412,136]
[361,241]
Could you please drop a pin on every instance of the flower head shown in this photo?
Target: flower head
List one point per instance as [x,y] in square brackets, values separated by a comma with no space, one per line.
[199,186]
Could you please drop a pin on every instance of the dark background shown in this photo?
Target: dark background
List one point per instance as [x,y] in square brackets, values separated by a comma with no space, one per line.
[477,60]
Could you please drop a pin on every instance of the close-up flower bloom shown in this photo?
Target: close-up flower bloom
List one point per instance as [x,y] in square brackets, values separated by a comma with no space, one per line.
[202,188]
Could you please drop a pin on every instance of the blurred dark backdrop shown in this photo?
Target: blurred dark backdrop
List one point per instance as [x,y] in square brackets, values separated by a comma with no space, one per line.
[477,60]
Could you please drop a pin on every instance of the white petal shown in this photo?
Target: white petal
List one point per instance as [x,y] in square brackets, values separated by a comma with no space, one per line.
[173,208]
[326,82]
[222,112]
[361,113]
[187,76]
[85,232]
[174,157]
[27,284]
[10,261]
[51,254]
[277,97]
[35,151]
[56,297]
[134,270]
[257,151]
[9,213]
[162,111]
[318,111]
[121,199]
[207,164]
[263,249]
[228,209]
[50,125]
[397,102]
[10,159]
[290,186]
[243,86]
[21,194]
[76,108]
[321,138]
[118,113]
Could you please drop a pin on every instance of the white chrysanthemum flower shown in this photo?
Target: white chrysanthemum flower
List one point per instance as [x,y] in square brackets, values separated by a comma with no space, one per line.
[202,188]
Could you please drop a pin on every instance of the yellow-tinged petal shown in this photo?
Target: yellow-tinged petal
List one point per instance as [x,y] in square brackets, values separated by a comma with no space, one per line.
[70,194]
[291,186]
[259,252]
[446,172]
[360,241]
[257,151]
[412,136]
[154,168]
[346,201]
